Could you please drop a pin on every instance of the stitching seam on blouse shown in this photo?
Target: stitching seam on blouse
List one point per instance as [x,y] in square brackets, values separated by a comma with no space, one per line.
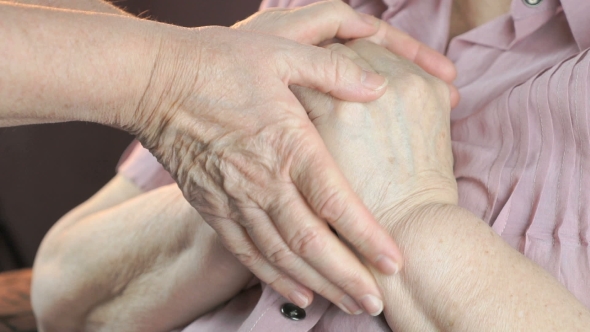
[535,211]
[520,113]
[576,85]
[259,318]
[489,206]
[559,175]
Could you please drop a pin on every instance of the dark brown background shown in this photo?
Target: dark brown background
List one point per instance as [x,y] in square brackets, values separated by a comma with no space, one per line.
[46,170]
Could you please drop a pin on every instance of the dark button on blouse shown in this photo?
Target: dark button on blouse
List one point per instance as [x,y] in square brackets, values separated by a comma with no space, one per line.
[292,311]
[532,2]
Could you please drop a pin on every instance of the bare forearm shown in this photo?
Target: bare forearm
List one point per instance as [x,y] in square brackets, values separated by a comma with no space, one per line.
[97,6]
[460,276]
[152,257]
[63,65]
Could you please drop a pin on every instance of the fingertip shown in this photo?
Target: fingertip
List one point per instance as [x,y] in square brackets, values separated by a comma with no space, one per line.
[292,290]
[335,73]
[435,63]
[445,67]
[373,85]
[373,81]
[349,305]
[300,298]
[368,88]
[455,96]
[372,304]
[449,72]
[387,265]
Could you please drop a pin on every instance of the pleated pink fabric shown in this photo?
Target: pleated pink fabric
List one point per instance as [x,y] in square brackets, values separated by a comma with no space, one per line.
[521,141]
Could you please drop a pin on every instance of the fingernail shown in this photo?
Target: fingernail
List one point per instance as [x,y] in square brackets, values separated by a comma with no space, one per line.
[386,265]
[350,306]
[372,304]
[299,299]
[373,81]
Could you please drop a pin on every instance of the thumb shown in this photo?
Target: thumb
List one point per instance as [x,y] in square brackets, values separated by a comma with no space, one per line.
[332,73]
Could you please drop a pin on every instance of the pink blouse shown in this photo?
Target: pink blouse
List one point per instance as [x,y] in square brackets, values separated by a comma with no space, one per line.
[521,141]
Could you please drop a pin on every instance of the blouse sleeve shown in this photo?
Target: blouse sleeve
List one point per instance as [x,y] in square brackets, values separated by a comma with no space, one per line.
[139,166]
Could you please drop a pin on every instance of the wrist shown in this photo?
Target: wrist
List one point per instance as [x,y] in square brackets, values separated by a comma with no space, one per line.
[173,78]
[425,235]
[139,69]
[411,204]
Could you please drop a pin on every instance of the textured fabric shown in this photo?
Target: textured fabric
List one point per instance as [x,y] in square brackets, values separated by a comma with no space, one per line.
[521,141]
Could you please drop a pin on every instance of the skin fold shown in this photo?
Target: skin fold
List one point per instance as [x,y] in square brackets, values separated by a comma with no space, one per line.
[396,153]
[213,105]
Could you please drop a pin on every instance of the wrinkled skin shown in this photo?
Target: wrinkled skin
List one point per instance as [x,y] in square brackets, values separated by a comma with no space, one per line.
[396,151]
[253,164]
[396,154]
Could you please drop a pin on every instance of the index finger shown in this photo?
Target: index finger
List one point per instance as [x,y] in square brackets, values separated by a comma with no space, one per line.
[332,198]
[402,44]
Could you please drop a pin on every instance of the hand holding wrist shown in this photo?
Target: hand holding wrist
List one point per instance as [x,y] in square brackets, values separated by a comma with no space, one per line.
[219,115]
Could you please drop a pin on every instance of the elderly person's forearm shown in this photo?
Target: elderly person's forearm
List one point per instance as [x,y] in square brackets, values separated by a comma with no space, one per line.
[63,65]
[461,276]
[149,255]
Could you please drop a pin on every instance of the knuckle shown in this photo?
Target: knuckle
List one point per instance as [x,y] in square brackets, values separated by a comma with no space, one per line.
[293,133]
[332,206]
[244,175]
[278,201]
[340,66]
[328,291]
[414,83]
[278,282]
[418,84]
[308,242]
[280,255]
[249,258]
[348,55]
[363,238]
[350,281]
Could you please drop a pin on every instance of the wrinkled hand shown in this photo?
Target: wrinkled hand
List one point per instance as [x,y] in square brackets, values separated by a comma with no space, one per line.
[247,157]
[396,154]
[321,22]
[396,151]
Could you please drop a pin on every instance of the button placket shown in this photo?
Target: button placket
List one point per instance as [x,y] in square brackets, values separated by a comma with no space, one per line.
[532,3]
